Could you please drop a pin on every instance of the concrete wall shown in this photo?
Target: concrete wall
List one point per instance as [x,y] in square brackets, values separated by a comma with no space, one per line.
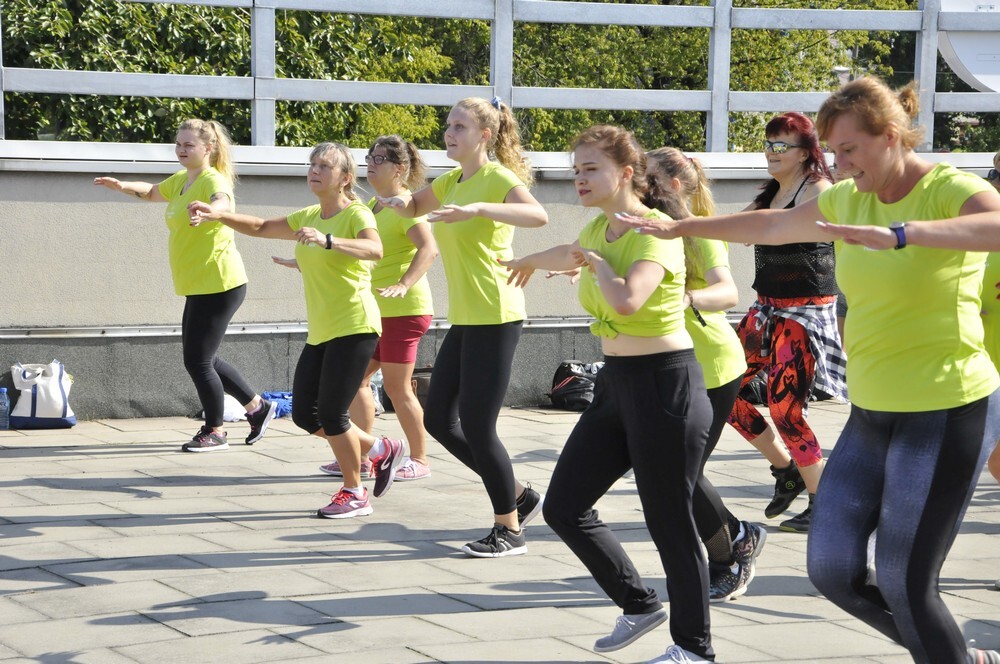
[78,256]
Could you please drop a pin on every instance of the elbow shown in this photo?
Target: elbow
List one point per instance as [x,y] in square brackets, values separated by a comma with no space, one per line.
[626,308]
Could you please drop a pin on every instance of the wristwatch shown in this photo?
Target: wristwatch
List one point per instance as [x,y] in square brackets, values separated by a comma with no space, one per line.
[899,228]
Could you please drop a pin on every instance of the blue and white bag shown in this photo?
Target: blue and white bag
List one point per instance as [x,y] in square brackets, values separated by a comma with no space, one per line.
[44,400]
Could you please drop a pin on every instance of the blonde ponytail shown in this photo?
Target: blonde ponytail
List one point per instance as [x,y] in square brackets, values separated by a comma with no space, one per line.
[505,142]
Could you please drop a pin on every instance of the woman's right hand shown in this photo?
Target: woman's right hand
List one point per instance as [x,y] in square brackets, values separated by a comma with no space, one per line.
[199,211]
[665,229]
[110,183]
[286,262]
[574,274]
[520,271]
[399,202]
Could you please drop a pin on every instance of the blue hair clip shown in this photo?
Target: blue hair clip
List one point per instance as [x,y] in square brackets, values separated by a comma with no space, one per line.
[495,102]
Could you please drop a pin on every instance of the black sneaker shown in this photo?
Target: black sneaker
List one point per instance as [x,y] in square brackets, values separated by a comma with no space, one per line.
[501,542]
[206,440]
[800,523]
[788,484]
[725,584]
[260,419]
[528,505]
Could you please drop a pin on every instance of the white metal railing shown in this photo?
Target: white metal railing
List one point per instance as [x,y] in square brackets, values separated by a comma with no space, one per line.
[263,88]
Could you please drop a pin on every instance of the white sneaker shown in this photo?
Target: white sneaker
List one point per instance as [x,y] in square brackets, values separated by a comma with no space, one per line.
[628,628]
[677,654]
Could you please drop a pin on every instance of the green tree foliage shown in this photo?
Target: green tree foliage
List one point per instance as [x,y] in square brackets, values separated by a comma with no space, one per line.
[117,35]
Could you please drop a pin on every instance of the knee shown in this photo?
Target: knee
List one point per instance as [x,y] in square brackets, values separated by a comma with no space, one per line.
[335,424]
[197,365]
[436,421]
[305,418]
[558,514]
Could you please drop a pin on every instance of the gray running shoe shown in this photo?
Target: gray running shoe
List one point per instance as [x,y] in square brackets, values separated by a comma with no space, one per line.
[628,628]
[206,440]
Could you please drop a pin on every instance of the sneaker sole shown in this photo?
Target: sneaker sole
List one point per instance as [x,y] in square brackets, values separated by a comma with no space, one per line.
[272,410]
[364,475]
[636,636]
[185,448]
[364,511]
[535,512]
[792,529]
[400,478]
[516,551]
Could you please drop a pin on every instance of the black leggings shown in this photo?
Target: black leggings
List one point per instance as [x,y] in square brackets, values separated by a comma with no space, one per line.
[717,526]
[650,414]
[206,318]
[468,386]
[327,379]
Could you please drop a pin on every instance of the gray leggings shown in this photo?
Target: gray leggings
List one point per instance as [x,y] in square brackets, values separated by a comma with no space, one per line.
[911,475]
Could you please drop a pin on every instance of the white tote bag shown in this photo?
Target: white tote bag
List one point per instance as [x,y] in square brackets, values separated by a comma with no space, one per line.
[44,400]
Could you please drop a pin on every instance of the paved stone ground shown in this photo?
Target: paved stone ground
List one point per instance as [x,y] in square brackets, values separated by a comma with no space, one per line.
[115,547]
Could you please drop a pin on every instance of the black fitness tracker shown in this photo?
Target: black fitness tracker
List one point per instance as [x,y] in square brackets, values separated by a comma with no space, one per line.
[329,241]
[899,228]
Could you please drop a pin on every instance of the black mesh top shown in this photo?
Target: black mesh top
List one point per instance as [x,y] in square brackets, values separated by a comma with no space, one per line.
[803,269]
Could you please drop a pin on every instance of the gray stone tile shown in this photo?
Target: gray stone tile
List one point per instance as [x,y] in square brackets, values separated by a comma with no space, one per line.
[244,647]
[96,600]
[39,639]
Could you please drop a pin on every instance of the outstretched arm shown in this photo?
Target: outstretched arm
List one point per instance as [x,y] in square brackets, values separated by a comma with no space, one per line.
[141,190]
[558,258]
[276,228]
[519,208]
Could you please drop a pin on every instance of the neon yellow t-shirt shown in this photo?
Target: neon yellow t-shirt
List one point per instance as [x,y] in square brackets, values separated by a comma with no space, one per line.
[662,313]
[339,299]
[397,254]
[716,345]
[991,307]
[203,258]
[478,293]
[914,334]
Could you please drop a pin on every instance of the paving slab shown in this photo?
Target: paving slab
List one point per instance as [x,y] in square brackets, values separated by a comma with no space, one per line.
[125,550]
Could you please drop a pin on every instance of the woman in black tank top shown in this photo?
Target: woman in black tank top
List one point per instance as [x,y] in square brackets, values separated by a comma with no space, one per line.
[783,332]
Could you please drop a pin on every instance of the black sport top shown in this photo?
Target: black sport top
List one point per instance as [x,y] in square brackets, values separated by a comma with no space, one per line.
[802,269]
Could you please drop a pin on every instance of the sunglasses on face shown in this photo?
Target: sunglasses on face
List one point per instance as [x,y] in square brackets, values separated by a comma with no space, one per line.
[778,147]
[377,159]
[993,175]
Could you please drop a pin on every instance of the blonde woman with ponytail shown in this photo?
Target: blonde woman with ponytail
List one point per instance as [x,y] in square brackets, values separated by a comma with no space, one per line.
[474,209]
[910,238]
[208,271]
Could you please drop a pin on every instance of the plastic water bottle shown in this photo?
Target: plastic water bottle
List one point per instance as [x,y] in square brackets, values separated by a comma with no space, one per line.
[4,409]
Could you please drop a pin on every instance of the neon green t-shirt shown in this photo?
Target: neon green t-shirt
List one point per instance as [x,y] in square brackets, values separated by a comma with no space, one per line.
[339,299]
[662,313]
[478,292]
[914,333]
[991,307]
[716,345]
[397,254]
[203,258]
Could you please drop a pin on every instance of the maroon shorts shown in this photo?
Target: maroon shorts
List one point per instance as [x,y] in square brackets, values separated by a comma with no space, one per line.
[400,338]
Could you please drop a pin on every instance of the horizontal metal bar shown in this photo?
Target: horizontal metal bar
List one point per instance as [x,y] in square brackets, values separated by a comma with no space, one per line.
[553,11]
[458,9]
[969,21]
[613,99]
[368,92]
[210,3]
[16,79]
[776,101]
[826,19]
[967,102]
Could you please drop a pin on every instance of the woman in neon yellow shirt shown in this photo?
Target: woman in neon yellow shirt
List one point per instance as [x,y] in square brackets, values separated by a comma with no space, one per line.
[475,209]
[909,236]
[991,311]
[650,412]
[336,239]
[399,282]
[208,272]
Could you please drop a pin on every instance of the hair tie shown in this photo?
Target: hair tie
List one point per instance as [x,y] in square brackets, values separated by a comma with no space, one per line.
[495,102]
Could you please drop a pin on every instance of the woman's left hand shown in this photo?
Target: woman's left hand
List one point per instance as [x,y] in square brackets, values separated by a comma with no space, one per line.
[871,237]
[452,213]
[395,290]
[309,235]
[587,257]
[665,229]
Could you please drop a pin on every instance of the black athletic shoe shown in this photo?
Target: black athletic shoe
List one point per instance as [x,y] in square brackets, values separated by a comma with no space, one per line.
[500,543]
[528,506]
[800,523]
[259,420]
[724,583]
[788,484]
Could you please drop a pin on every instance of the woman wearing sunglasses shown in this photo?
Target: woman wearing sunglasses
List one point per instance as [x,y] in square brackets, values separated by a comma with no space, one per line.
[910,236]
[790,331]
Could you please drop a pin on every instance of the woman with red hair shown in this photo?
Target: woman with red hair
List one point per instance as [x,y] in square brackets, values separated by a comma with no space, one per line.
[790,332]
